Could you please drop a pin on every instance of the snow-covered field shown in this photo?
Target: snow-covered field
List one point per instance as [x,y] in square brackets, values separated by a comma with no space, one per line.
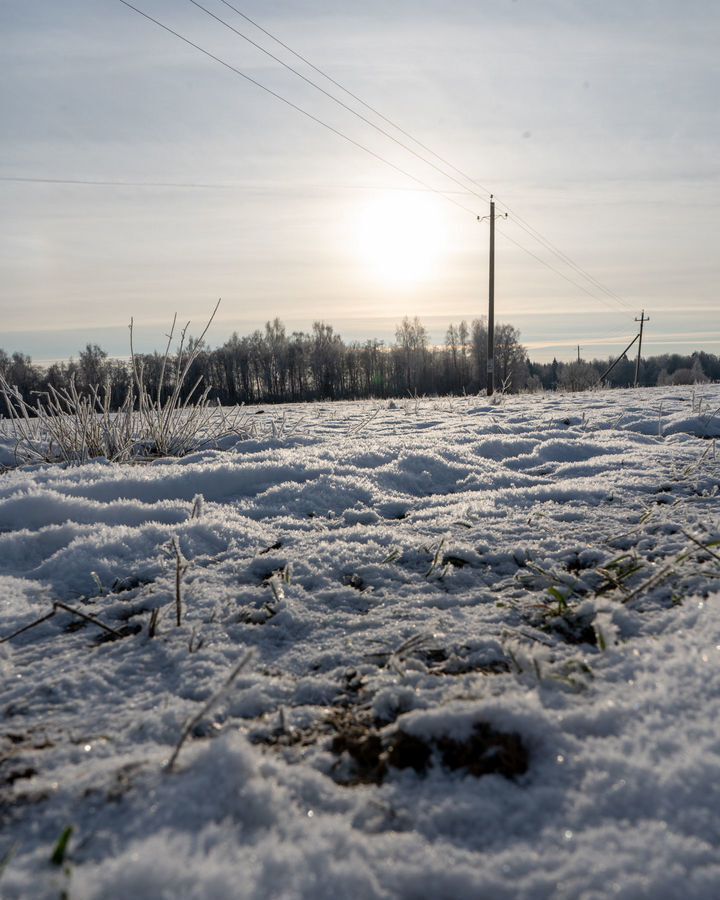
[484,644]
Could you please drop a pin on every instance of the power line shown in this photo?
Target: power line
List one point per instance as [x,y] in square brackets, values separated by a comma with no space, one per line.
[294,106]
[332,97]
[557,271]
[346,137]
[525,226]
[93,182]
[355,97]
[533,232]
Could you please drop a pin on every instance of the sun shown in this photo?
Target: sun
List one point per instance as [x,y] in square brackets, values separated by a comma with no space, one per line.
[401,237]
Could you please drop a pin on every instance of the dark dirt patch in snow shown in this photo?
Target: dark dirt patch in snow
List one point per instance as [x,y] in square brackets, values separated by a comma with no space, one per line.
[366,755]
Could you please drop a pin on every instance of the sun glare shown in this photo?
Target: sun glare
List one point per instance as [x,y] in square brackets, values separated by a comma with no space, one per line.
[401,237]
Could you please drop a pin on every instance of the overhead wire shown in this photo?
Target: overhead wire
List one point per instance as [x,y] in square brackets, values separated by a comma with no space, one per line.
[525,226]
[533,232]
[517,219]
[355,97]
[335,99]
[295,106]
[96,182]
[557,271]
[117,182]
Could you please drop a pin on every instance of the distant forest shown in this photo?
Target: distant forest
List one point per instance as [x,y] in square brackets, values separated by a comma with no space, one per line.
[274,366]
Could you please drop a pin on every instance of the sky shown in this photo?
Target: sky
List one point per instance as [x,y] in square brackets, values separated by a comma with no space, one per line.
[596,123]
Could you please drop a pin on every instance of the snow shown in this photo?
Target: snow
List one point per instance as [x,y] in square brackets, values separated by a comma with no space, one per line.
[410,577]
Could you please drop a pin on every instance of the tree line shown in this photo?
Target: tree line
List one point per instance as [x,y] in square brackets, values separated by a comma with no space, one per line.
[271,365]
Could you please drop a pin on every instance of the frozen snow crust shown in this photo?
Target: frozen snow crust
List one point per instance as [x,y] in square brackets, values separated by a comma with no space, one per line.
[542,568]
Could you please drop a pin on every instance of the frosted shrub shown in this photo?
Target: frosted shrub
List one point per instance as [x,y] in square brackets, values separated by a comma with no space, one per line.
[66,426]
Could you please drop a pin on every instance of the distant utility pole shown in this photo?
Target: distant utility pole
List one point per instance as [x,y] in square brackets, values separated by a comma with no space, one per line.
[579,349]
[491,300]
[642,320]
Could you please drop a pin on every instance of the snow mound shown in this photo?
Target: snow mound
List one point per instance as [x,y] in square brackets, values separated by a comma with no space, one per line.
[485,644]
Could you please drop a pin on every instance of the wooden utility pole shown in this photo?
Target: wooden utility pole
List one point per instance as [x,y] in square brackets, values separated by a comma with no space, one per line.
[579,349]
[491,298]
[491,305]
[642,320]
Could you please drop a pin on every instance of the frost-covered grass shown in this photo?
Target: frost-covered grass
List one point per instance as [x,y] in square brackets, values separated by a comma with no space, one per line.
[70,426]
[428,648]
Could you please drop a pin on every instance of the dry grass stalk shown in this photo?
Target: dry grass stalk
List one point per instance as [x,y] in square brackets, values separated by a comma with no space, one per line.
[59,605]
[181,566]
[65,425]
[195,720]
